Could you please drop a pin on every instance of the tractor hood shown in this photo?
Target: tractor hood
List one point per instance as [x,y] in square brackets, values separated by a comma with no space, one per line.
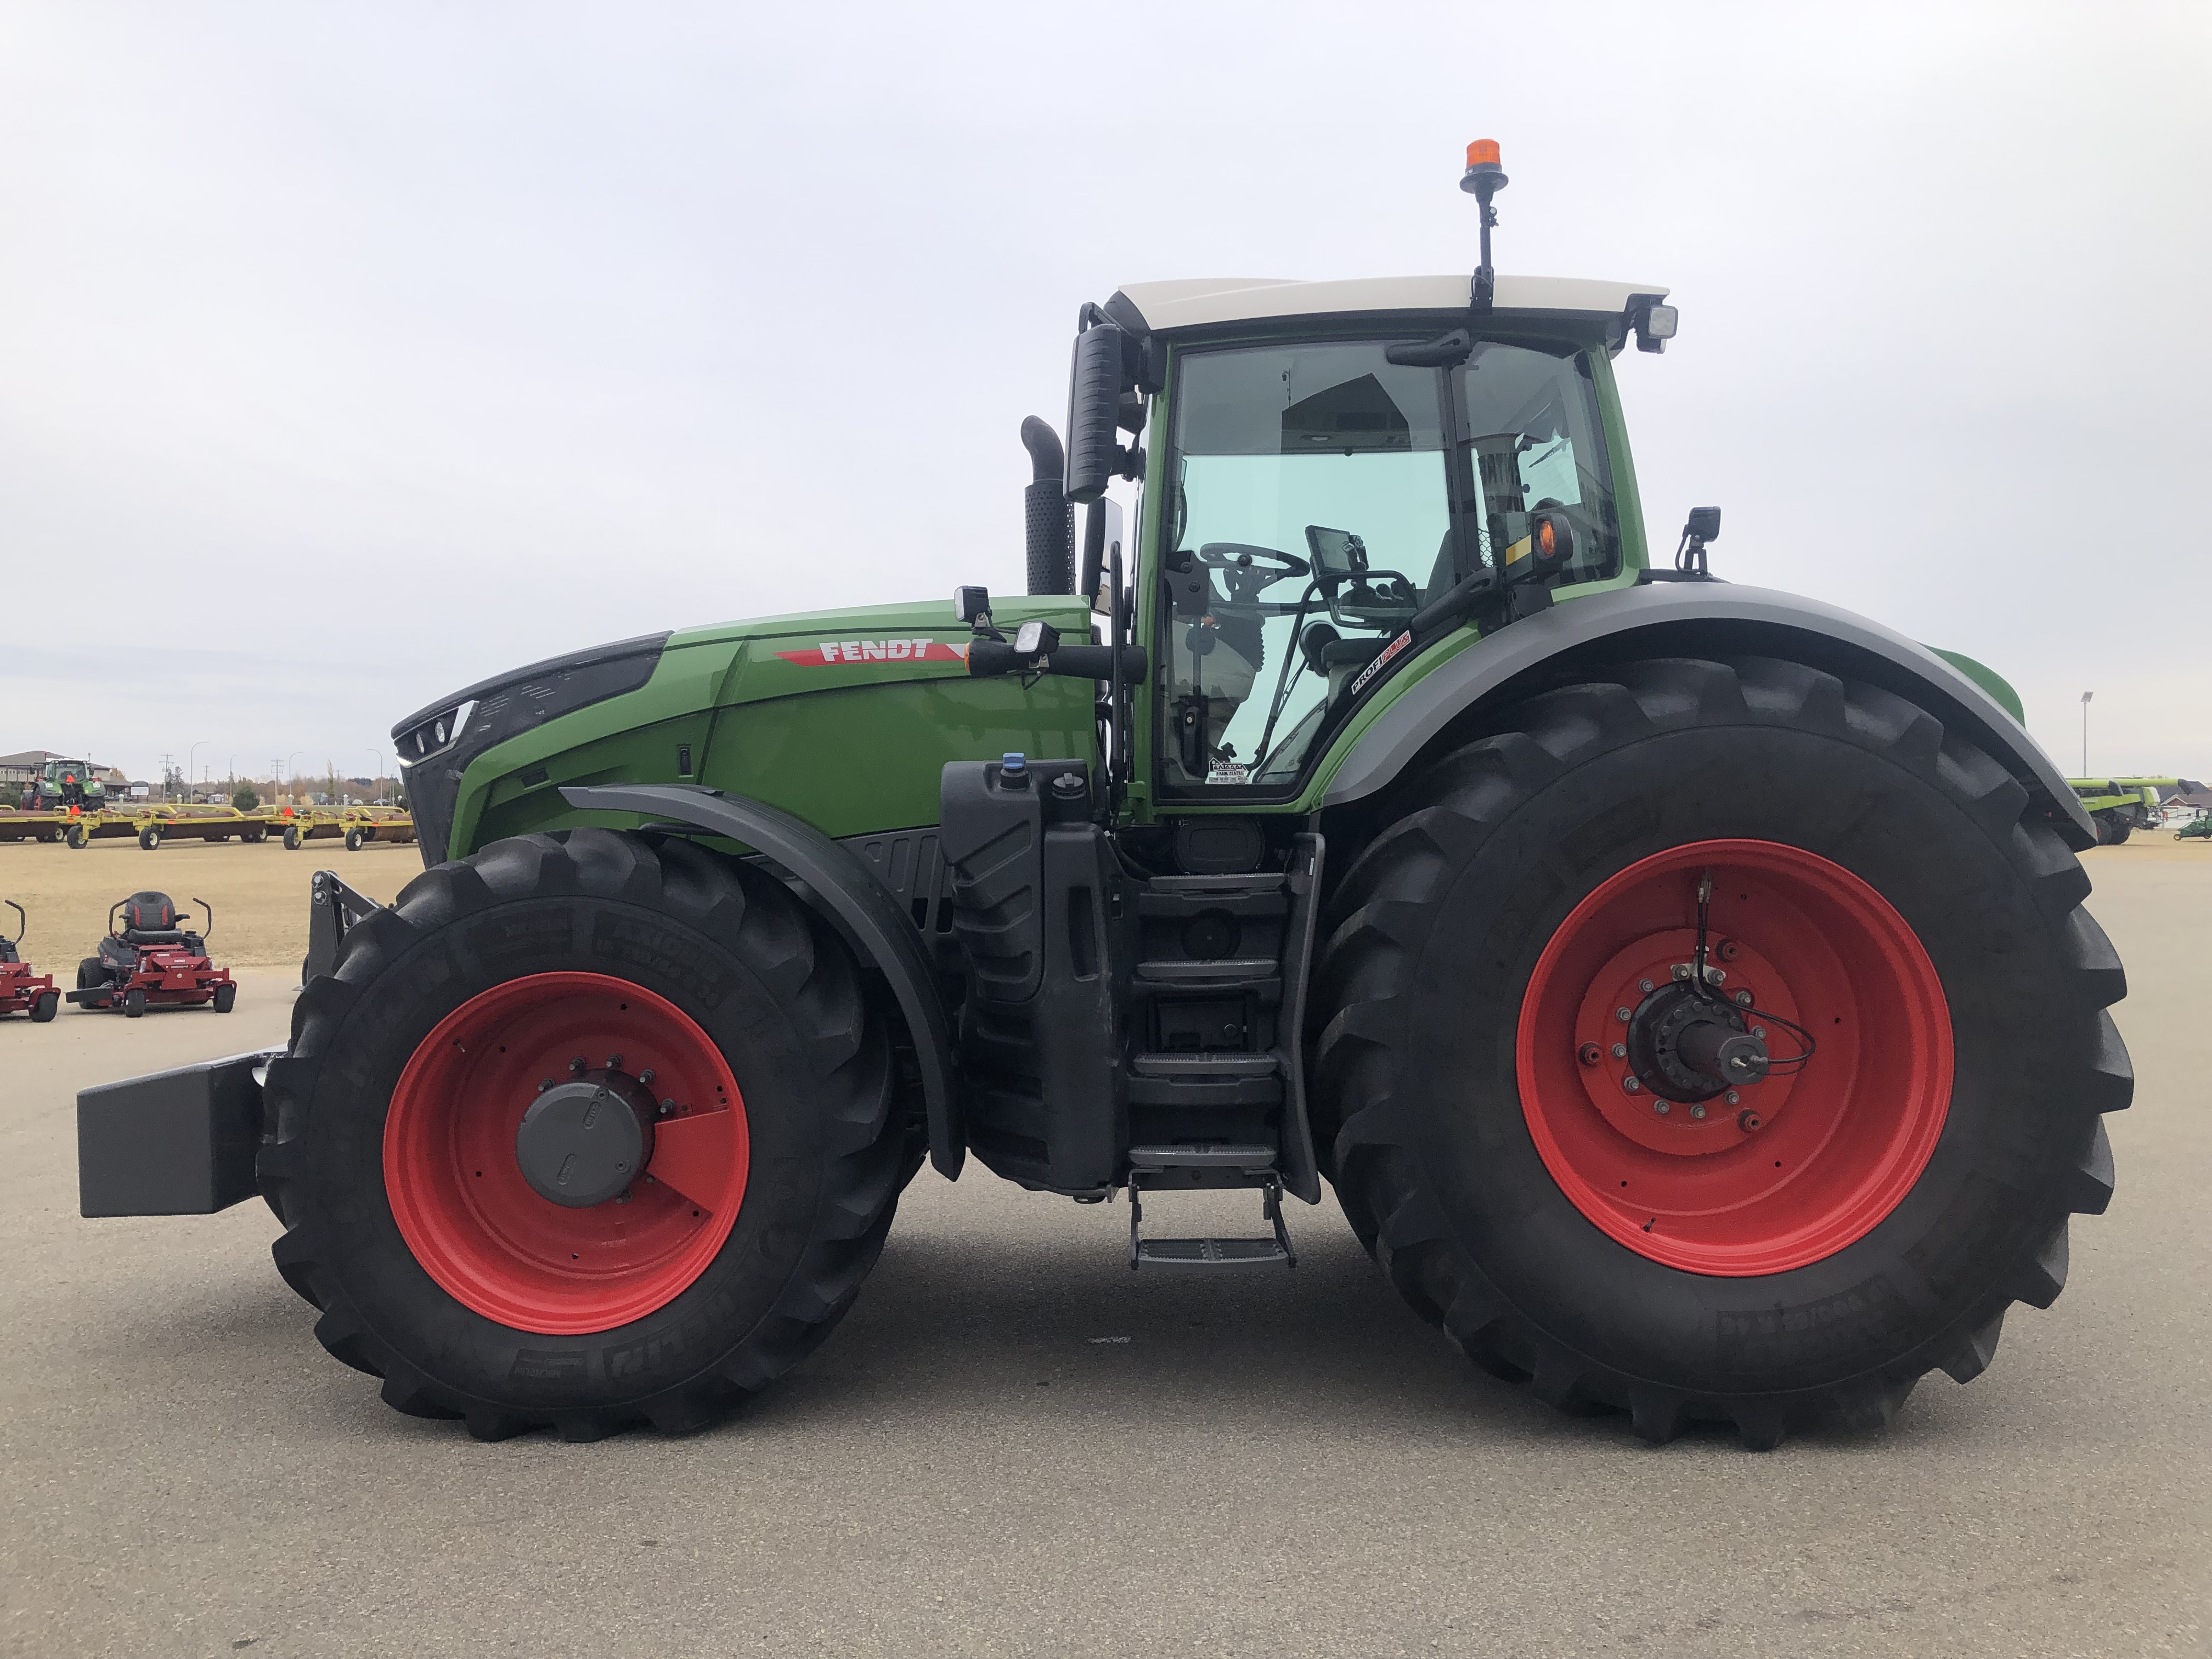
[764,707]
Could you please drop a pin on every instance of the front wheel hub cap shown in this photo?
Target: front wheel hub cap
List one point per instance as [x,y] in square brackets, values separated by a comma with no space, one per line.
[584,1142]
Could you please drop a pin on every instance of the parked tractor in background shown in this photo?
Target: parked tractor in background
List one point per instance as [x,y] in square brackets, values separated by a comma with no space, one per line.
[1382,814]
[21,991]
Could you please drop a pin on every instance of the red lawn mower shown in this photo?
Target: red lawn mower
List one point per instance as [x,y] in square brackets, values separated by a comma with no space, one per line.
[152,963]
[22,991]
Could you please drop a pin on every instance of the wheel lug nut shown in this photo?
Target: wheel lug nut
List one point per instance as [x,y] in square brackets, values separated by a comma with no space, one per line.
[1698,1112]
[1682,970]
[1588,1053]
[646,1077]
[1622,1015]
[576,1065]
[1643,985]
[666,1106]
[544,1084]
[1733,1097]
[1631,1086]
[614,1062]
[1743,999]
[1660,1107]
[1759,1031]
[1620,1051]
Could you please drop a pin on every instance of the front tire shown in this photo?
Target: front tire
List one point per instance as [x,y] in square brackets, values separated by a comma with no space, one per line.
[226,996]
[291,838]
[134,1003]
[1885,880]
[353,839]
[45,1007]
[414,1221]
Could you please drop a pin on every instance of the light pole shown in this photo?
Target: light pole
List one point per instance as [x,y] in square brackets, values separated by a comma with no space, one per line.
[2085,696]
[377,776]
[294,796]
[189,755]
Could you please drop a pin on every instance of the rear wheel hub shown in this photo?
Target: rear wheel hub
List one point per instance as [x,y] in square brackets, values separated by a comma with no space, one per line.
[1686,1047]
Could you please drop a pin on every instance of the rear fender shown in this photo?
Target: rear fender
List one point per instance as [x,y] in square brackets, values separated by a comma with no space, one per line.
[849,897]
[1692,619]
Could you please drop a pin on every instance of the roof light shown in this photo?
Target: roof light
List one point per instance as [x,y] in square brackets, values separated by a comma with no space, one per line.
[1482,151]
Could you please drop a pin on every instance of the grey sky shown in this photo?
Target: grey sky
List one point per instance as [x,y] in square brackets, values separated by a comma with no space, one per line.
[349,353]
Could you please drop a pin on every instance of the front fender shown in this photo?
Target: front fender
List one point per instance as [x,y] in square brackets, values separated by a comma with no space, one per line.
[1699,619]
[858,902]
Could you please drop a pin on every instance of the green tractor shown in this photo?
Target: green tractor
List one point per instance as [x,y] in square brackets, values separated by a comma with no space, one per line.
[2120,806]
[1379,815]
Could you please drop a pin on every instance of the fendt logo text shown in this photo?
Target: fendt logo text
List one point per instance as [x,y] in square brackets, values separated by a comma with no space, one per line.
[845,651]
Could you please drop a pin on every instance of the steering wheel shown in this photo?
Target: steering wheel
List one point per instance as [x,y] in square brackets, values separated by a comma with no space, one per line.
[1243,555]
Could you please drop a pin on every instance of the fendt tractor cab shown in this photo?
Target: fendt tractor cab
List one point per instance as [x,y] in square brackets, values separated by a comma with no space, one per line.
[1683,986]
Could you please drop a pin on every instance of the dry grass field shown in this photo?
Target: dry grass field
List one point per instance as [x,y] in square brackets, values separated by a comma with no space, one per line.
[259,894]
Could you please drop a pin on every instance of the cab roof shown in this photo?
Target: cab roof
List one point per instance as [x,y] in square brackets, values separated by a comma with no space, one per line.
[1208,301]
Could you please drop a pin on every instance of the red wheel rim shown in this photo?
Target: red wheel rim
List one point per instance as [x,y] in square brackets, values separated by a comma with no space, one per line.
[1827,1152]
[478,1226]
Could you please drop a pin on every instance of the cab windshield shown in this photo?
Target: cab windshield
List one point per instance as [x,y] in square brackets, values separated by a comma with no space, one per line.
[1312,517]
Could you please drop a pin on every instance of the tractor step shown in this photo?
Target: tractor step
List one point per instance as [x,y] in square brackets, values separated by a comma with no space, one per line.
[1212,1252]
[1271,1247]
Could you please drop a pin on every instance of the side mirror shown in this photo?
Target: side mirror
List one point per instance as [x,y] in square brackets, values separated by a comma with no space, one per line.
[1094,412]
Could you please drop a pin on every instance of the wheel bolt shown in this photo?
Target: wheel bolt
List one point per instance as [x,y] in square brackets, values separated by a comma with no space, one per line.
[667,1107]
[1749,1121]
[576,1065]
[1698,1112]
[1743,999]
[646,1077]
[1682,970]
[1643,985]
[1632,1086]
[1620,1051]
[1759,1031]
[1588,1053]
[1660,1107]
[1733,1097]
[614,1062]
[1622,1015]
[544,1084]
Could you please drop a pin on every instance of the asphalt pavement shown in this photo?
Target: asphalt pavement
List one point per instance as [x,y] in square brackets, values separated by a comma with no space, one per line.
[1016,1446]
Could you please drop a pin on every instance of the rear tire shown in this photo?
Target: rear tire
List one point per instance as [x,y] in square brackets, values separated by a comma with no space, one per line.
[404,1254]
[1467,1147]
[148,840]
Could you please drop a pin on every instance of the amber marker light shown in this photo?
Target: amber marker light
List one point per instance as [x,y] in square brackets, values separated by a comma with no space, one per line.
[1482,151]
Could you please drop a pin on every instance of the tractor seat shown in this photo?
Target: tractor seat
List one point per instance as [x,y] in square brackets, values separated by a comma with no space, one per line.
[1325,648]
[8,951]
[150,918]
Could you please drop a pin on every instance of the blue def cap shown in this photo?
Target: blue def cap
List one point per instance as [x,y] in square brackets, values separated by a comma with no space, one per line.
[1014,764]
